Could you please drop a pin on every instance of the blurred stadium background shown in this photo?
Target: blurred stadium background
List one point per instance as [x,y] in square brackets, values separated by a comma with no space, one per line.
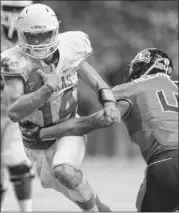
[117,30]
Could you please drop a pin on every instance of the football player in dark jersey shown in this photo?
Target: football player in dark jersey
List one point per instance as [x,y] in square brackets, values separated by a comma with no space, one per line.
[152,122]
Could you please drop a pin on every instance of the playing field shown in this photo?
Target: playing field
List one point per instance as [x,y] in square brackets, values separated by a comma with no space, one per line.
[117,182]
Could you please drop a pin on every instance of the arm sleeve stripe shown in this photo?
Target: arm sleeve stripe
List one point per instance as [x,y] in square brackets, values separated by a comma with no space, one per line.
[10,74]
[13,75]
[130,106]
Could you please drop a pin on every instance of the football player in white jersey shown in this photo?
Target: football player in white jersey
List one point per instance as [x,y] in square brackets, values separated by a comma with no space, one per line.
[41,75]
[13,155]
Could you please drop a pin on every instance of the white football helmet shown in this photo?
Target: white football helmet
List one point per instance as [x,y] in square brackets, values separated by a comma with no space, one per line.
[38,19]
[9,14]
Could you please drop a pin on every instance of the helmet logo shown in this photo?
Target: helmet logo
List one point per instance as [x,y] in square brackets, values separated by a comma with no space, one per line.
[143,56]
[166,66]
[166,61]
[39,27]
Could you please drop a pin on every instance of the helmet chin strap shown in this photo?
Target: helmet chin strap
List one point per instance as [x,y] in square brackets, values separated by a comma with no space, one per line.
[158,65]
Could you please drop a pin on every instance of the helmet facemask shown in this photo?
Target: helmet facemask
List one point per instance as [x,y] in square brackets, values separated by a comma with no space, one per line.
[44,48]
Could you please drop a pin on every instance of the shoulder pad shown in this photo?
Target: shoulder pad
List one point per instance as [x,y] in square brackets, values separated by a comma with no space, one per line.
[11,62]
[121,87]
[14,63]
[76,46]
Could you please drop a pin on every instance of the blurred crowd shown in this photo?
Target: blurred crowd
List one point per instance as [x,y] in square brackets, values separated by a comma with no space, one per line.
[118,30]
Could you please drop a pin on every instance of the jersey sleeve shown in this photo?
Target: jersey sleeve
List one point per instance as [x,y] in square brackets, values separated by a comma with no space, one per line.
[122,93]
[12,63]
[78,46]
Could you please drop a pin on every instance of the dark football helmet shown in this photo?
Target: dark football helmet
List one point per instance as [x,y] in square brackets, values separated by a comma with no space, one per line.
[148,61]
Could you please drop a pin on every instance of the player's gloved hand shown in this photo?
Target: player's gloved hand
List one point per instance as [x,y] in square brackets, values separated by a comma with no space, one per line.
[32,133]
[111,113]
[50,78]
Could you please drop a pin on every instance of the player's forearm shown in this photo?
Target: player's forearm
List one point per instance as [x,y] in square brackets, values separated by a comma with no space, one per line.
[75,126]
[26,104]
[91,77]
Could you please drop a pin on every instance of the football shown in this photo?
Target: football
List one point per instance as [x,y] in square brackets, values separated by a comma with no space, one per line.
[33,83]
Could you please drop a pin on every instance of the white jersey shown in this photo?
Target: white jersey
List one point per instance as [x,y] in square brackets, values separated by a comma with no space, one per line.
[74,48]
[11,140]
[5,44]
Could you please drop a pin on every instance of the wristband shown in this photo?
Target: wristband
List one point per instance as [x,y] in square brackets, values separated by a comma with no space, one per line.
[106,95]
[50,87]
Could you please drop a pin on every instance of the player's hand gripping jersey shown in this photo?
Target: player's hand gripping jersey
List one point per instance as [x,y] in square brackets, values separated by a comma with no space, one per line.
[74,48]
[153,120]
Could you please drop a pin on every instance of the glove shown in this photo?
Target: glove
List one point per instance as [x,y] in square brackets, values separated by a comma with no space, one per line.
[30,132]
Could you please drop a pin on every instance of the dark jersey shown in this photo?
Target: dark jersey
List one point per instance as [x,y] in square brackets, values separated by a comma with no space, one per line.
[153,119]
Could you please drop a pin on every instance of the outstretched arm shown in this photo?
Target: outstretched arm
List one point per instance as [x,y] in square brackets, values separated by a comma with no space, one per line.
[83,125]
[106,97]
[75,126]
